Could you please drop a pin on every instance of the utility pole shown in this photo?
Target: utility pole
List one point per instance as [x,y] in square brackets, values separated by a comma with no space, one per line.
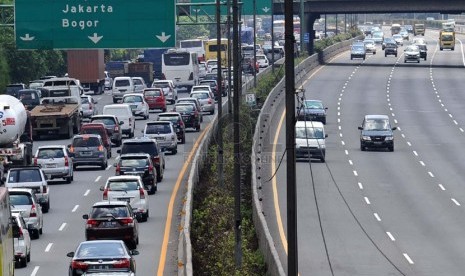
[237,159]
[292,257]
[219,132]
[229,58]
[254,41]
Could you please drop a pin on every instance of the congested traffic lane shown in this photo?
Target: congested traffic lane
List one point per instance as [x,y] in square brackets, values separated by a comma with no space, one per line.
[64,225]
[381,213]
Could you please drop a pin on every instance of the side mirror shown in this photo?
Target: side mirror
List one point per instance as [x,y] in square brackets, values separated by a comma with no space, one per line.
[45,176]
[68,146]
[394,128]
[326,135]
[95,102]
[70,254]
[142,131]
[361,128]
[3,179]
[118,151]
[86,216]
[121,122]
[102,188]
[134,252]
[115,164]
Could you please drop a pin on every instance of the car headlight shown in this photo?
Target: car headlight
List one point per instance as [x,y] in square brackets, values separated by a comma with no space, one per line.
[366,138]
[389,138]
[322,146]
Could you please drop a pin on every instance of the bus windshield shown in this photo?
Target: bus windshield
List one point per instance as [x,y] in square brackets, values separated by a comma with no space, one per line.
[176,59]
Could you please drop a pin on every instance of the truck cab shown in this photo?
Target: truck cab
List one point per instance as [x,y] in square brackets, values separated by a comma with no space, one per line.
[446,40]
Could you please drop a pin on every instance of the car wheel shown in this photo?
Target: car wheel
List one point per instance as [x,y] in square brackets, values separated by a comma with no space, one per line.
[418,61]
[104,165]
[35,234]
[28,256]
[22,262]
[391,148]
[351,57]
[322,159]
[144,219]
[115,100]
[197,128]
[362,147]
[40,231]
[395,55]
[174,151]
[212,112]
[46,207]
[164,109]
[68,180]
[385,55]
[159,176]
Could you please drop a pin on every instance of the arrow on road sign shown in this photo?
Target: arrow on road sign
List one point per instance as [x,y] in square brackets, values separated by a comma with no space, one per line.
[26,37]
[95,38]
[163,38]
[266,9]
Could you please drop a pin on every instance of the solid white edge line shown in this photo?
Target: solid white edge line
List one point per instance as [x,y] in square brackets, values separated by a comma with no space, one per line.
[75,208]
[49,246]
[63,225]
[391,236]
[34,272]
[407,257]
[377,216]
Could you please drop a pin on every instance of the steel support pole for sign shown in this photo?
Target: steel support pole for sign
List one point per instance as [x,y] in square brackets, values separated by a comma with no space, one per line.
[236,140]
[229,58]
[302,22]
[219,133]
[254,41]
[272,36]
[292,260]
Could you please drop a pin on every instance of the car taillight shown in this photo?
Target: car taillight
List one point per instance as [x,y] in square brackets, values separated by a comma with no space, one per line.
[44,189]
[91,223]
[100,148]
[181,123]
[118,170]
[116,128]
[150,169]
[122,264]
[209,101]
[79,265]
[105,194]
[141,193]
[66,161]
[33,212]
[127,221]
[35,161]
[156,160]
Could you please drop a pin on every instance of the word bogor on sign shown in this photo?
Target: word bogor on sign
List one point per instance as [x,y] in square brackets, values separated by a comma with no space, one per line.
[82,24]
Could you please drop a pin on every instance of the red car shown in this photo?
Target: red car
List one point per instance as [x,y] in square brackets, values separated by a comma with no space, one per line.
[155,98]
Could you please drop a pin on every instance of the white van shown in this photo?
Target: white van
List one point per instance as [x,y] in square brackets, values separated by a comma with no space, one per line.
[124,113]
[310,140]
[121,86]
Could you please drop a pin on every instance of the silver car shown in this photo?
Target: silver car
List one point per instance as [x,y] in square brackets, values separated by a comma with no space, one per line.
[169,90]
[137,103]
[128,188]
[21,241]
[207,103]
[164,133]
[25,201]
[88,106]
[55,162]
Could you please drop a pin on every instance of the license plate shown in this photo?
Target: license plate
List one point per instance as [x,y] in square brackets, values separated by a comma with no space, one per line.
[50,165]
[160,138]
[133,106]
[127,199]
[109,224]
[86,153]
[100,267]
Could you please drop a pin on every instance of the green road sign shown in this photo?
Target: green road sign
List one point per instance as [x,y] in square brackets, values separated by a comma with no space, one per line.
[84,24]
[263,7]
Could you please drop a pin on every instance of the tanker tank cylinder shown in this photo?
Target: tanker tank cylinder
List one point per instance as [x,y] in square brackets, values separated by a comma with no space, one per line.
[13,117]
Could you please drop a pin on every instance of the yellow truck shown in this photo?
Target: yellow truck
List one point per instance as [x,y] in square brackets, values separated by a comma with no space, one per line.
[446,40]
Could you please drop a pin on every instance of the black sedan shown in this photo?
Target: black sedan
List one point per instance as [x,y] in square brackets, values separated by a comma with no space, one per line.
[312,110]
[102,255]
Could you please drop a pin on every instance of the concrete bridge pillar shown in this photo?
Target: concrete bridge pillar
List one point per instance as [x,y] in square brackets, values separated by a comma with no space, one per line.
[308,28]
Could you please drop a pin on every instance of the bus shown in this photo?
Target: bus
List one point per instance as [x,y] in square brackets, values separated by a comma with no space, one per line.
[194,45]
[278,29]
[395,29]
[211,48]
[7,254]
[182,67]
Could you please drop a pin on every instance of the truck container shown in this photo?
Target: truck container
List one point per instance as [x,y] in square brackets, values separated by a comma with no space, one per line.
[143,70]
[117,68]
[16,140]
[154,56]
[88,66]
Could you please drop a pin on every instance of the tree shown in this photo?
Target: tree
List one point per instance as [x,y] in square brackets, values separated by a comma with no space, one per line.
[191,31]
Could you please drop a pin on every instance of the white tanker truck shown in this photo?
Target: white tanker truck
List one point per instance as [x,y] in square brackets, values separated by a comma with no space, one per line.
[15,132]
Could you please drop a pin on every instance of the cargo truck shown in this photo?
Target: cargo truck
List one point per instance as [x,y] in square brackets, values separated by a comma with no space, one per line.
[88,66]
[154,56]
[141,69]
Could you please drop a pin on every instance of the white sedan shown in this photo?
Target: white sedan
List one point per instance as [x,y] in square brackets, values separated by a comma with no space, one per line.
[128,188]
[137,103]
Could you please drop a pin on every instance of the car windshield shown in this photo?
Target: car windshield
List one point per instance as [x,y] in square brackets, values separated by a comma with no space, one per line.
[20,199]
[84,100]
[108,211]
[92,130]
[377,124]
[160,85]
[153,93]
[357,48]
[140,147]
[24,175]
[106,122]
[184,108]
[313,105]
[123,185]
[132,99]
[122,83]
[134,162]
[173,119]
[86,142]
[87,250]
[50,153]
[309,133]
[158,129]
[199,95]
